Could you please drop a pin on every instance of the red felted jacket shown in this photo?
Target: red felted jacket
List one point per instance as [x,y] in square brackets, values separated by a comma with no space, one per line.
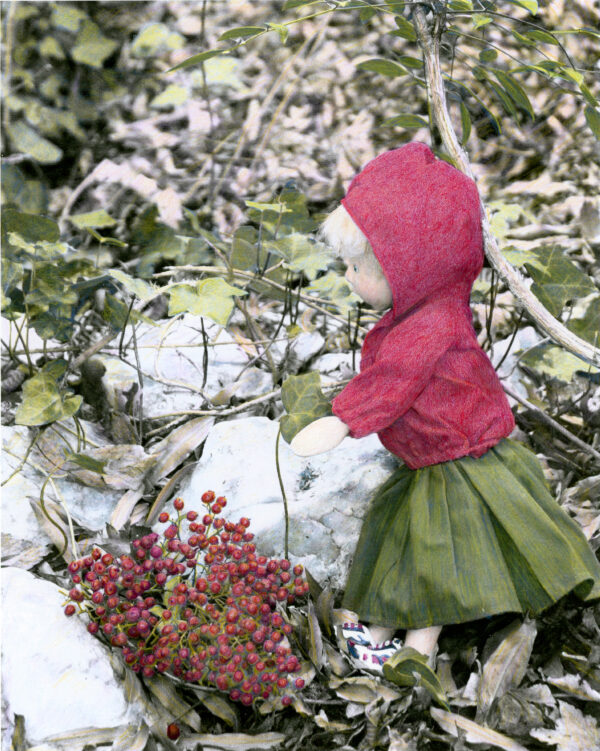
[425,387]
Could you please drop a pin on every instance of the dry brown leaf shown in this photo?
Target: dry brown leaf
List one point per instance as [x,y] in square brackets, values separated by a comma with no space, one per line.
[473,732]
[573,732]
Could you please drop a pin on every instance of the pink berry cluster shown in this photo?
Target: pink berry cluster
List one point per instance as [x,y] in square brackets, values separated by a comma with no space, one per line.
[206,609]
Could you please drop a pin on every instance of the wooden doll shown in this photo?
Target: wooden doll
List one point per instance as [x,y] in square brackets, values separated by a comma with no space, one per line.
[466,527]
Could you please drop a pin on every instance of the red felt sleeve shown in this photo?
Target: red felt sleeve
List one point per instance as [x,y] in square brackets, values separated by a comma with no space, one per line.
[405,362]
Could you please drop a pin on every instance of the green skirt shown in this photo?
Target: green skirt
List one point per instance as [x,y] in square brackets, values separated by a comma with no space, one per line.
[466,539]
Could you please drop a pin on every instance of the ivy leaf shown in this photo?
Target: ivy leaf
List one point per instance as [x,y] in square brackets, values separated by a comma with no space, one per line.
[554,362]
[302,255]
[172,96]
[556,279]
[304,402]
[154,38]
[67,17]
[91,46]
[212,298]
[137,287]
[31,227]
[28,141]
[334,287]
[587,326]
[44,402]
[96,219]
[385,67]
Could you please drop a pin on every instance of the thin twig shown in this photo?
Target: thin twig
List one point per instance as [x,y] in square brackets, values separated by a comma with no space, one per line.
[284,496]
[556,425]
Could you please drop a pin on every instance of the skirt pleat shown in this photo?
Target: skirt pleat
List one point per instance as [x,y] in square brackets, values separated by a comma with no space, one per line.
[466,539]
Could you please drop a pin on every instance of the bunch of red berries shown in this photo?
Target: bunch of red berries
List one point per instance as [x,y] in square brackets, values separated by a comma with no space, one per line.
[206,609]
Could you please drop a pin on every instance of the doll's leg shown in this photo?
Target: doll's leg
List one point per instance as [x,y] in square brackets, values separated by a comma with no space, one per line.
[381,634]
[422,639]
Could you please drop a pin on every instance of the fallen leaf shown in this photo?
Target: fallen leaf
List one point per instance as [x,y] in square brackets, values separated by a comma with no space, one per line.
[573,731]
[473,732]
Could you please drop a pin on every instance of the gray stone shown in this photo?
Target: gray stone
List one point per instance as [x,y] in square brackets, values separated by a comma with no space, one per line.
[171,359]
[55,674]
[327,495]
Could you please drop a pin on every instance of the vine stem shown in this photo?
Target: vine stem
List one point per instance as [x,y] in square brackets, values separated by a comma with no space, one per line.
[283,495]
[436,95]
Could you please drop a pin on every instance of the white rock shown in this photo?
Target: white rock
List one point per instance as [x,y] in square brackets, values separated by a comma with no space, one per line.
[173,353]
[327,494]
[24,543]
[307,344]
[336,366]
[55,673]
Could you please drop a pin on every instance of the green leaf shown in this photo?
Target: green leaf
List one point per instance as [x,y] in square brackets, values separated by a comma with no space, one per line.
[155,38]
[67,16]
[334,287]
[460,5]
[224,71]
[488,55]
[465,119]
[528,5]
[137,287]
[197,59]
[588,326]
[507,102]
[31,227]
[488,112]
[172,96]
[281,29]
[542,36]
[304,402]
[49,47]
[241,32]
[556,279]
[28,141]
[405,29]
[411,62]
[301,254]
[407,121]
[289,4]
[100,218]
[91,46]
[44,402]
[515,91]
[554,361]
[212,298]
[280,208]
[402,666]
[385,67]
[577,77]
[86,462]
[479,20]
[593,120]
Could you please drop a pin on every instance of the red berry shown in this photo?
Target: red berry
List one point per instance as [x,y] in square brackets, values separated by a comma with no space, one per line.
[191,515]
[208,497]
[163,517]
[173,732]
[178,503]
[70,610]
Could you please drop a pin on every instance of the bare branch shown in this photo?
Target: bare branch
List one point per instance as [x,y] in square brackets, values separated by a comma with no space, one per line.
[516,282]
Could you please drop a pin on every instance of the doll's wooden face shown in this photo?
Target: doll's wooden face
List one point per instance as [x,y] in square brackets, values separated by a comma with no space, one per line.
[368,281]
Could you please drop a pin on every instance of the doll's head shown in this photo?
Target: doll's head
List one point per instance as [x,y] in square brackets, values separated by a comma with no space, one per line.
[416,222]
[364,273]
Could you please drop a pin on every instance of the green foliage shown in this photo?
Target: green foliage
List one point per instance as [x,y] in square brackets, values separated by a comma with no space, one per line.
[554,362]
[97,219]
[304,403]
[43,399]
[210,297]
[556,279]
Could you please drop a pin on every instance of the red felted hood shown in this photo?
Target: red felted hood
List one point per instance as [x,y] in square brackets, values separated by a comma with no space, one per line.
[422,218]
